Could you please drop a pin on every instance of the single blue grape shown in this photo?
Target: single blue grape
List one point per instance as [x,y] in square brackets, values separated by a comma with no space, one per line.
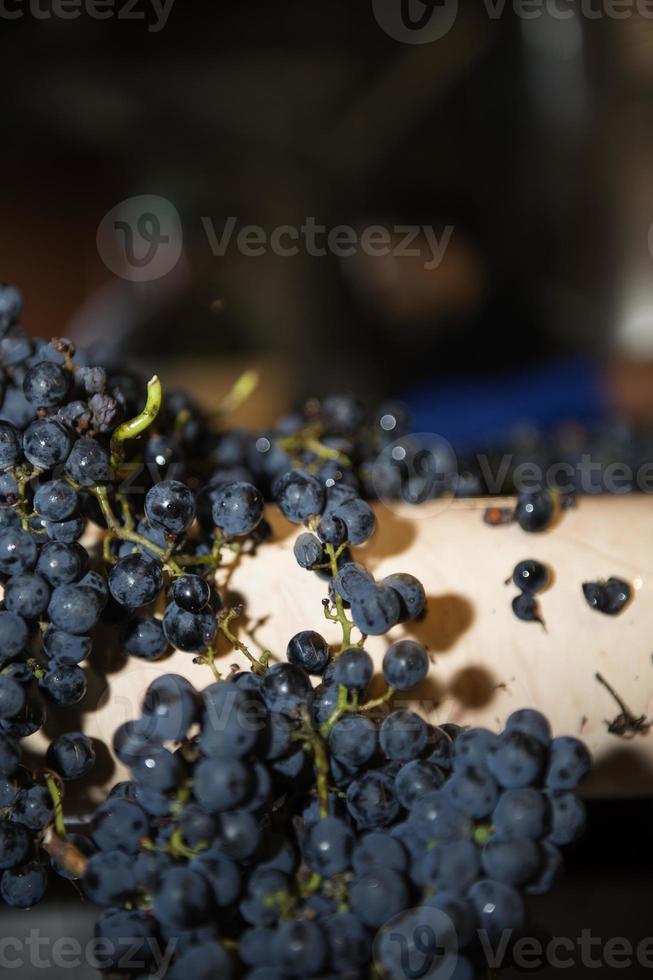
[11,306]
[119,825]
[15,844]
[131,741]
[372,800]
[516,760]
[405,664]
[169,708]
[524,812]
[124,935]
[170,505]
[498,907]
[135,581]
[510,859]
[353,740]
[237,508]
[376,612]
[27,595]
[453,866]
[310,651]
[569,763]
[71,755]
[299,948]
[299,496]
[415,779]
[435,818]
[254,945]
[33,807]
[62,564]
[158,770]
[240,834]
[530,722]
[191,632]
[93,580]
[568,818]
[197,826]
[12,698]
[66,648]
[144,638]
[74,609]
[308,551]
[45,385]
[354,669]
[9,755]
[378,848]
[204,961]
[46,443]
[25,886]
[66,531]
[473,791]
[328,847]
[354,582]
[88,463]
[221,785]
[18,551]
[285,688]
[63,684]
[191,593]
[410,590]
[109,878]
[472,747]
[266,893]
[10,447]
[377,896]
[358,517]
[403,735]
[13,635]
[232,722]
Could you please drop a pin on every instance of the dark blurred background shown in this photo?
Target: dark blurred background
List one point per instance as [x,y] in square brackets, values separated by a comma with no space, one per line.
[522,143]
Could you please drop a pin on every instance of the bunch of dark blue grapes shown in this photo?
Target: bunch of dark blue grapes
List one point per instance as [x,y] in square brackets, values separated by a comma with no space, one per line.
[286,823]
[256,839]
[28,809]
[65,469]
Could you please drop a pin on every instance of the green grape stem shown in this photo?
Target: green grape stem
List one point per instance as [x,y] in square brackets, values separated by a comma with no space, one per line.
[340,614]
[316,744]
[136,426]
[57,803]
[260,665]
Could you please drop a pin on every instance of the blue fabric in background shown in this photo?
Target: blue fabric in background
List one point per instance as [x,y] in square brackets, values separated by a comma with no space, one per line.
[483,414]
